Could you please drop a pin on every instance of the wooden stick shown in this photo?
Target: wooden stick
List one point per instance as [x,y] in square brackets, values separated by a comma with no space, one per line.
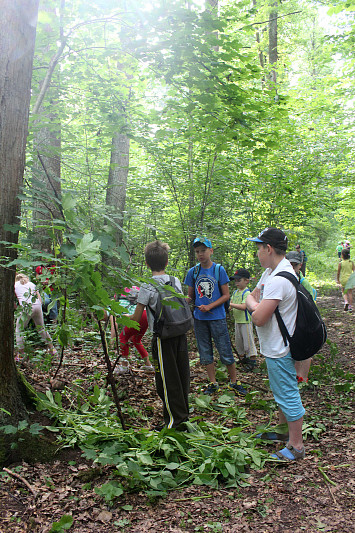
[20,478]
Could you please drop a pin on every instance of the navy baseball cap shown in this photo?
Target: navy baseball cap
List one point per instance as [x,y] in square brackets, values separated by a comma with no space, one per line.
[273,236]
[241,273]
[202,240]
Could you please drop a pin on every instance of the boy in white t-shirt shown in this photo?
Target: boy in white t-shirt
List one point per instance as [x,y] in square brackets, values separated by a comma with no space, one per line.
[275,291]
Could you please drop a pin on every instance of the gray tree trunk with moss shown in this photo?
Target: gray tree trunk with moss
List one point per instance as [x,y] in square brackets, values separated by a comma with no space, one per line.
[17,39]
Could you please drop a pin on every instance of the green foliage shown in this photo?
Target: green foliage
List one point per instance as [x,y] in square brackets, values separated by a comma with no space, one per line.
[155,462]
[63,524]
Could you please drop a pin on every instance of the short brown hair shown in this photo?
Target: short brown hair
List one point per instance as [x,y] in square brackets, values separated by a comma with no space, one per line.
[277,251]
[156,255]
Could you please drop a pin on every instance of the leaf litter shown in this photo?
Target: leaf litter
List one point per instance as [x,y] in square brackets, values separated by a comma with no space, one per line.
[316,494]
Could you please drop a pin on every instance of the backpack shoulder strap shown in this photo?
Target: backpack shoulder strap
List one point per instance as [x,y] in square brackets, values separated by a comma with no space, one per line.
[285,334]
[290,277]
[216,271]
[246,310]
[196,272]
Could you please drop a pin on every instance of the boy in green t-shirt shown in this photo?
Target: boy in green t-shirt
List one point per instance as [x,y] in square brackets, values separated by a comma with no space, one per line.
[244,336]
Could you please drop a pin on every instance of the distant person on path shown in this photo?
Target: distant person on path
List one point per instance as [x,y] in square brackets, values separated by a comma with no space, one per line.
[347,246]
[339,249]
[31,307]
[275,291]
[170,355]
[244,336]
[304,258]
[209,296]
[296,261]
[345,269]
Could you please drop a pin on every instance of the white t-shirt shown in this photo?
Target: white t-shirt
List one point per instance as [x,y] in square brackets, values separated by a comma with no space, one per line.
[148,296]
[274,287]
[27,293]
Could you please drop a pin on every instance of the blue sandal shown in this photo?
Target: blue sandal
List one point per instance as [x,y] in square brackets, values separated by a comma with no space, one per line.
[289,453]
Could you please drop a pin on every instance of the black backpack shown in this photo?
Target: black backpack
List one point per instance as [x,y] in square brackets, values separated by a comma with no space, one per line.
[216,270]
[310,332]
[172,316]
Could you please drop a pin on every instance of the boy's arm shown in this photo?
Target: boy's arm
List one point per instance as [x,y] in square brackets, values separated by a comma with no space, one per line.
[138,312]
[338,273]
[220,301]
[241,307]
[263,311]
[190,294]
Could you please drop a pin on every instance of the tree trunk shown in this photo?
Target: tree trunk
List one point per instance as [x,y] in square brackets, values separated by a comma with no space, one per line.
[117,181]
[17,39]
[273,42]
[47,155]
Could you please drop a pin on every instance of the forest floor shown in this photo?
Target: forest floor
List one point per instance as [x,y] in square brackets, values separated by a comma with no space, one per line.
[316,494]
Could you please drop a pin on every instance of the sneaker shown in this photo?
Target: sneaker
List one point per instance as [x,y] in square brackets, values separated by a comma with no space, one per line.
[346,306]
[148,368]
[121,369]
[212,388]
[289,453]
[249,364]
[237,388]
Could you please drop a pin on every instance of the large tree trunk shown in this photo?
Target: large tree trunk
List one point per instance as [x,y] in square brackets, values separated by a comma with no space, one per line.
[117,181]
[17,38]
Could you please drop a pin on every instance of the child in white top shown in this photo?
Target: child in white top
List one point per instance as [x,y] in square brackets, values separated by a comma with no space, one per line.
[31,304]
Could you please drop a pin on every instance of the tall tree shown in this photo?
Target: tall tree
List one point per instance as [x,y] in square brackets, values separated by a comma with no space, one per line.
[17,38]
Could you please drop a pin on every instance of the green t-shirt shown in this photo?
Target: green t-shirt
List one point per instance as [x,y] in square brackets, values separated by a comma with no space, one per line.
[308,287]
[239,297]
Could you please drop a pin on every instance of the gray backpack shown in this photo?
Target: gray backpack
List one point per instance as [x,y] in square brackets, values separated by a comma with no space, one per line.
[172,316]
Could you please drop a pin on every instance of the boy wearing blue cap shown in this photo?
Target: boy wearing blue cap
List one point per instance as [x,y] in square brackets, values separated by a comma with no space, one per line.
[209,291]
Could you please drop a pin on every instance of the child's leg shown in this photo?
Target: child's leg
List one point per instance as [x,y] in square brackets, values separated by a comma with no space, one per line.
[239,344]
[21,324]
[113,328]
[172,378]
[205,348]
[345,295]
[350,297]
[137,343]
[124,337]
[37,317]
[302,369]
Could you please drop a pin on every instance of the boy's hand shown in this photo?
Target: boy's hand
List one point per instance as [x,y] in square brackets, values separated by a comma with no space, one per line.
[204,308]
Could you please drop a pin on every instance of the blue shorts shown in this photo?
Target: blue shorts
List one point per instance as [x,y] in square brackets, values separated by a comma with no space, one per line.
[283,383]
[205,331]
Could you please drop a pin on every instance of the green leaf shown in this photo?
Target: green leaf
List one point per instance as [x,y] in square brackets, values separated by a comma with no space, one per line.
[64,523]
[110,490]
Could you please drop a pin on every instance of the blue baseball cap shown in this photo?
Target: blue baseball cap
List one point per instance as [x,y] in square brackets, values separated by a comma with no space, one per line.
[273,236]
[202,240]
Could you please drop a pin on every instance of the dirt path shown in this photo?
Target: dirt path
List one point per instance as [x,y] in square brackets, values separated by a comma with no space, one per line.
[316,494]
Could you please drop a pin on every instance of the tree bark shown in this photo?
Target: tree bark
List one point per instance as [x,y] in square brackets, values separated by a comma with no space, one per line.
[17,39]
[273,42]
[47,155]
[117,181]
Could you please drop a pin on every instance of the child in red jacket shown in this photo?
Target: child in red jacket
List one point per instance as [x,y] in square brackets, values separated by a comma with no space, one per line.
[132,335]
